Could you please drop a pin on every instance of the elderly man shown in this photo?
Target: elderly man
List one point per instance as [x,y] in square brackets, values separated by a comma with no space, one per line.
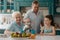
[16,25]
[35,16]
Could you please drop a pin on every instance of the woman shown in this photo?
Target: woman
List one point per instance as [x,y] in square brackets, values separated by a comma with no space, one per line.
[48,28]
[16,25]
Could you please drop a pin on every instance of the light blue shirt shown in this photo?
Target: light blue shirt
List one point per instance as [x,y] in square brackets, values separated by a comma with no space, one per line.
[35,19]
[48,30]
[14,27]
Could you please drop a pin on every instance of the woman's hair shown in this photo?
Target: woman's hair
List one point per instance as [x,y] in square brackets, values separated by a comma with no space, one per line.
[50,17]
[15,13]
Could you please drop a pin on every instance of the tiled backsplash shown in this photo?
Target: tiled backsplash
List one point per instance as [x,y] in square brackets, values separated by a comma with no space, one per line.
[8,18]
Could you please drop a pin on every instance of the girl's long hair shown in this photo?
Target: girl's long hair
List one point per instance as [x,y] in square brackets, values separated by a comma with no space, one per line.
[50,17]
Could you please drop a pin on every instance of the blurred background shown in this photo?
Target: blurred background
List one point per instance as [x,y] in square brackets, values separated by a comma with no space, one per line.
[46,6]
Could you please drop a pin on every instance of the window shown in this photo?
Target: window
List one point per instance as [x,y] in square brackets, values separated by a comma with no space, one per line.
[1,5]
[57,3]
[10,6]
[6,6]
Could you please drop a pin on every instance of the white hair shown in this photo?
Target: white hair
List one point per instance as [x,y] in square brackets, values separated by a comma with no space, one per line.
[15,13]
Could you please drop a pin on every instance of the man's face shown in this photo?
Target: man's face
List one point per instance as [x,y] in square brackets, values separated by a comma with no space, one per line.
[35,7]
[17,18]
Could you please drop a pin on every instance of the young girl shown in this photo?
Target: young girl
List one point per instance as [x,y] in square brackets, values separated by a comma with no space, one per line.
[48,28]
[27,24]
[27,28]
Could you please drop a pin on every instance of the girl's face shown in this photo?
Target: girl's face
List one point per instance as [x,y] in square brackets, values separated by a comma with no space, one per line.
[47,21]
[27,22]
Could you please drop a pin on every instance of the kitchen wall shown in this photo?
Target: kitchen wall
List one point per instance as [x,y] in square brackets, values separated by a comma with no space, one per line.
[43,10]
[57,21]
[8,17]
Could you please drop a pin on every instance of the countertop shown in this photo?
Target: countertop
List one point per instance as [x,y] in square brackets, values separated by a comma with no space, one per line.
[38,37]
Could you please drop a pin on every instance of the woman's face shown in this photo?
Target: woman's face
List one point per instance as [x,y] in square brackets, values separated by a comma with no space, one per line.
[17,18]
[47,21]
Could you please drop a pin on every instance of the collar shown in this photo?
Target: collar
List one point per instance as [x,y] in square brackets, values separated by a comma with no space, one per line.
[37,12]
[17,24]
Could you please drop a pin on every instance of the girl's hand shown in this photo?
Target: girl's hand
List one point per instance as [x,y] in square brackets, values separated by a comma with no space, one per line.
[41,34]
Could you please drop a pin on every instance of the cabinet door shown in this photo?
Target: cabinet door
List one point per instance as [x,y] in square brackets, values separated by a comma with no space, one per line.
[1,6]
[10,6]
[57,4]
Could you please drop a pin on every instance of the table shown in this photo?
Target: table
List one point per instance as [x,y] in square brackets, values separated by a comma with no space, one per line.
[38,37]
